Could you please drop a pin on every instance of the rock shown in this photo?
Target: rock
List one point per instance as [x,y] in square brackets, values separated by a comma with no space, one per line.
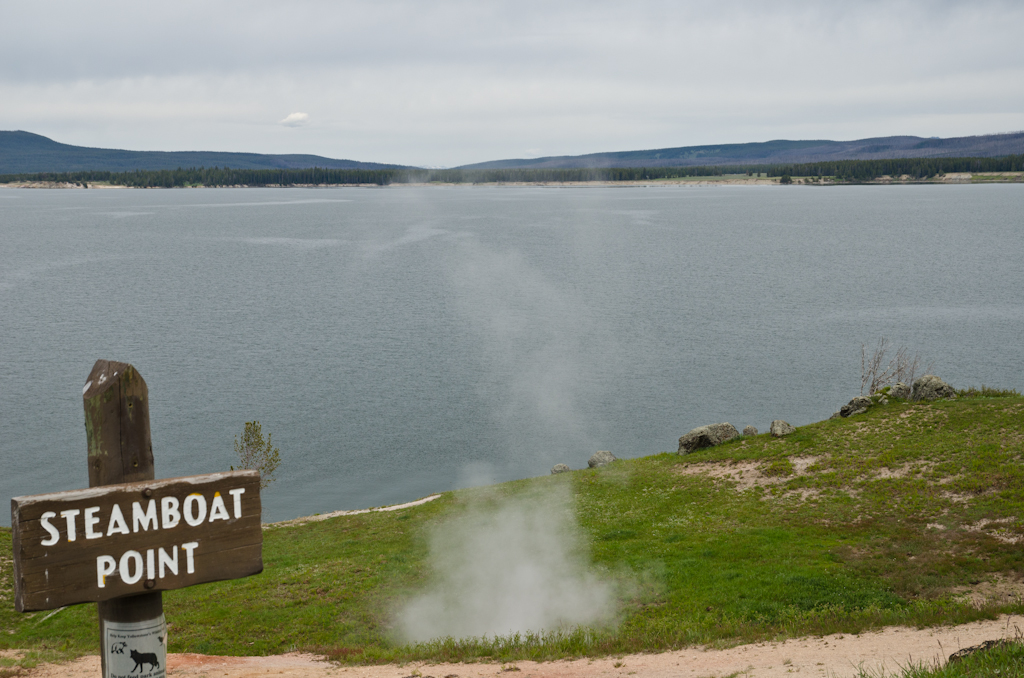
[601,458]
[883,401]
[780,428]
[750,430]
[560,468]
[835,415]
[855,406]
[899,390]
[981,647]
[706,436]
[930,387]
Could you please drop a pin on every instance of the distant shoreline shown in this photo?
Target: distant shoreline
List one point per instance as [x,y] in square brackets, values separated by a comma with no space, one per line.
[722,180]
[959,178]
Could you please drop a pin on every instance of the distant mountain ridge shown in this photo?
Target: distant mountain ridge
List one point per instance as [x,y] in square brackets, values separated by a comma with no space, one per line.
[780,152]
[28,153]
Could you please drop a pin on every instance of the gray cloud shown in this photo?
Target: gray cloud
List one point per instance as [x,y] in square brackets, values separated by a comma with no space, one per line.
[453,82]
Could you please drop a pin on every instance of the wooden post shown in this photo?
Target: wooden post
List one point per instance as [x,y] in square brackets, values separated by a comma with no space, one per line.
[116,404]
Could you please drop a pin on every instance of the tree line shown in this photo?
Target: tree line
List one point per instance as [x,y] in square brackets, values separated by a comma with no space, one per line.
[850,171]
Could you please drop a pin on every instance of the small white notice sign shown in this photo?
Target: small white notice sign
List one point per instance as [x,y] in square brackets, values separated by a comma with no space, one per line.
[135,649]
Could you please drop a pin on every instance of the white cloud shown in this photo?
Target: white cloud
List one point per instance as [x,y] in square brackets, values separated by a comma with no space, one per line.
[295,120]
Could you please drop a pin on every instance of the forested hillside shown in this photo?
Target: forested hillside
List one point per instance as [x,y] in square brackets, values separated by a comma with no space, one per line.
[783,152]
[24,152]
[845,171]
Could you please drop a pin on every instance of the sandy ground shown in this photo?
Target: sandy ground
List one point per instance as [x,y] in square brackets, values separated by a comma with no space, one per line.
[334,514]
[835,655]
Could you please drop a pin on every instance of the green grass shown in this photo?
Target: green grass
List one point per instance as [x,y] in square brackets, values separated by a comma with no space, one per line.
[843,526]
[1005,661]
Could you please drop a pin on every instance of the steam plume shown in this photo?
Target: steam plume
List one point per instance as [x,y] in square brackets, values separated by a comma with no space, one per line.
[518,566]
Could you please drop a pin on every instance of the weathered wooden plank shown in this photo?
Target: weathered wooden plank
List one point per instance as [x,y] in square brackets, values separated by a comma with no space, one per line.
[218,512]
[136,504]
[243,530]
[80,584]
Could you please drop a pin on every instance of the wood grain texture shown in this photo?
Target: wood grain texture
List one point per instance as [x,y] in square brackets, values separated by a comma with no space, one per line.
[48,576]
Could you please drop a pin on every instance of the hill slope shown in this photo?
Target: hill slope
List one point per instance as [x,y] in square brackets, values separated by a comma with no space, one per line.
[908,514]
[25,153]
[782,151]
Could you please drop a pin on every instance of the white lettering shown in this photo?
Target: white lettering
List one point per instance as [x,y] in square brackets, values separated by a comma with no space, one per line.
[91,520]
[217,509]
[194,499]
[123,569]
[54,537]
[167,561]
[169,512]
[237,494]
[150,564]
[105,566]
[190,565]
[70,517]
[117,525]
[144,520]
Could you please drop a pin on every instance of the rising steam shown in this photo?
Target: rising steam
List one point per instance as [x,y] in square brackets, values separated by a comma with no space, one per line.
[518,565]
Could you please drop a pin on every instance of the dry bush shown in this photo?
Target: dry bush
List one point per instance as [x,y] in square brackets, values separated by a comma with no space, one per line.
[876,373]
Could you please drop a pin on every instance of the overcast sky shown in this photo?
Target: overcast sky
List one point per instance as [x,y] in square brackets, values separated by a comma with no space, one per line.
[447,83]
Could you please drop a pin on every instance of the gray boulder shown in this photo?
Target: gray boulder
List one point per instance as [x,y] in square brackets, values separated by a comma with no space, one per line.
[856,406]
[780,428]
[899,390]
[930,387]
[560,468]
[750,430]
[706,436]
[601,458]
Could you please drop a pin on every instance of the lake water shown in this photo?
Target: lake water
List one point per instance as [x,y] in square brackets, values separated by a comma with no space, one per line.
[398,342]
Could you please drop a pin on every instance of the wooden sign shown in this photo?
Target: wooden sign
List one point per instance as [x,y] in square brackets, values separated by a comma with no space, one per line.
[143,537]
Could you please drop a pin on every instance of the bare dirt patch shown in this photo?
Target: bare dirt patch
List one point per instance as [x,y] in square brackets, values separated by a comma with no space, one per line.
[835,655]
[1001,589]
[997,528]
[747,475]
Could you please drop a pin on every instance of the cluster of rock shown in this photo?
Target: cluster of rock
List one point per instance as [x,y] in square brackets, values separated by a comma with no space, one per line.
[599,459]
[928,387]
[716,434]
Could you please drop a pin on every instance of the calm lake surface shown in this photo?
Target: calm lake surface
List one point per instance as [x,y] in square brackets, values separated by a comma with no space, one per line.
[398,342]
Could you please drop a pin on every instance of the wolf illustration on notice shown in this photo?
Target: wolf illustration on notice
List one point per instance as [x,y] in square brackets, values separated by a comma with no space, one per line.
[141,658]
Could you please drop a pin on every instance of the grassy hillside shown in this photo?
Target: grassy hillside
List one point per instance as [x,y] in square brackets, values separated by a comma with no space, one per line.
[896,516]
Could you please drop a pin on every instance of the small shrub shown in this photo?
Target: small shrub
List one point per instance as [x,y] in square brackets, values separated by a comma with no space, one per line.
[257,454]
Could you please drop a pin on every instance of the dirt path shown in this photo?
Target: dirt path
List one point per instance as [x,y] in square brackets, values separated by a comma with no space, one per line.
[835,655]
